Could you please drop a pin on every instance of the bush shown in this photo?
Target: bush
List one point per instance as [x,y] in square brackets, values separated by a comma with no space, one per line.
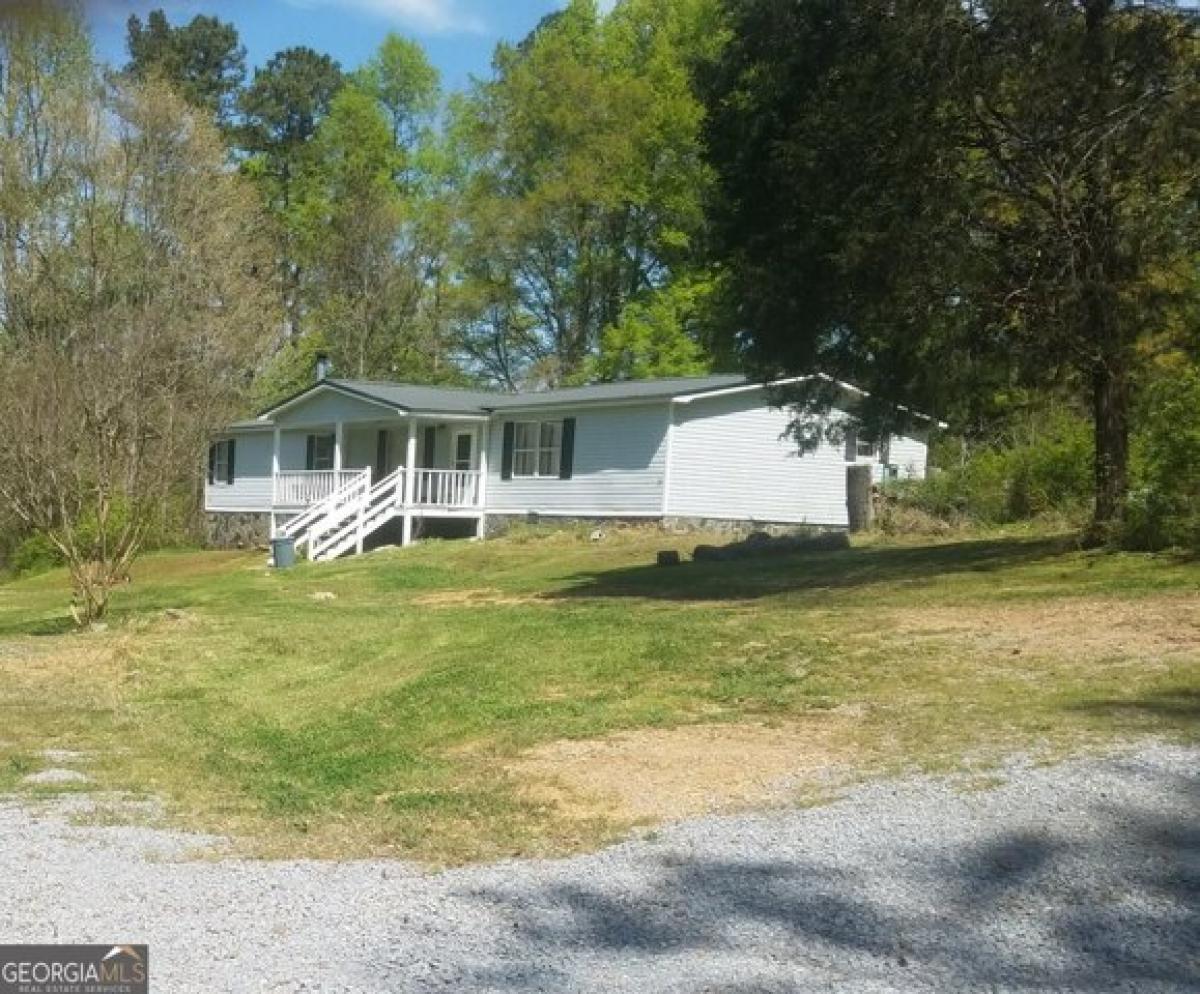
[1164,507]
[173,528]
[34,554]
[1042,467]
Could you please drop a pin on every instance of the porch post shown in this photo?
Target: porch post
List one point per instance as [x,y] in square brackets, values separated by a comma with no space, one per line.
[339,437]
[275,445]
[481,497]
[410,479]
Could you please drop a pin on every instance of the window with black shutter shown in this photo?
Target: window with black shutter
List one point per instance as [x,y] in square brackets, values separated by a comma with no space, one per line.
[539,449]
[221,461]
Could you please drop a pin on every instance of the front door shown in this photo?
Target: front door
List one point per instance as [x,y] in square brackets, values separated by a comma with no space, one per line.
[464,450]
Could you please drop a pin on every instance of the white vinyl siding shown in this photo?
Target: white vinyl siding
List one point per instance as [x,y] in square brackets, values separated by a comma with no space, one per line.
[731,459]
[619,458]
[909,456]
[325,407]
[251,486]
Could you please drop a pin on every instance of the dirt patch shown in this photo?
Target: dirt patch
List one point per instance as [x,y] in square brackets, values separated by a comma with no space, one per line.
[1085,629]
[459,598]
[665,774]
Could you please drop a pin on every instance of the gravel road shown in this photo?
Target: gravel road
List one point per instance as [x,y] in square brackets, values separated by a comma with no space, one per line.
[1080,877]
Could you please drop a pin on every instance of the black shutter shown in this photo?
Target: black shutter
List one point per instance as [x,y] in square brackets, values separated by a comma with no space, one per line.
[506,453]
[429,460]
[381,454]
[212,463]
[851,445]
[229,468]
[310,452]
[566,461]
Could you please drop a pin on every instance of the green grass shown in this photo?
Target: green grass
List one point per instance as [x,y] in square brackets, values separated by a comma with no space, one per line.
[387,719]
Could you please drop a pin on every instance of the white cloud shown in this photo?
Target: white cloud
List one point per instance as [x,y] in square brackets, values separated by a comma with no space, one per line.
[427,15]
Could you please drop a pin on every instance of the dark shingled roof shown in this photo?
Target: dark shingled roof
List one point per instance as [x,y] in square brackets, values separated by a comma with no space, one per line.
[414,397]
[451,400]
[625,390]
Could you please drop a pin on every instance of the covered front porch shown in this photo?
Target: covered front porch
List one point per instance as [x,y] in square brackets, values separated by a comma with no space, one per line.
[313,460]
[337,479]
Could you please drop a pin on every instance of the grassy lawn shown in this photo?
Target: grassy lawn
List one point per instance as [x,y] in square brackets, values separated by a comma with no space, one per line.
[395,716]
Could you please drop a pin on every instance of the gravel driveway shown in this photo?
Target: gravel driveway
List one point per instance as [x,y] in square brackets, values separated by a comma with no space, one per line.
[1080,877]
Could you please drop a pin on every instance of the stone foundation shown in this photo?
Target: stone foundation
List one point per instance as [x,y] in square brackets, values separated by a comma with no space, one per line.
[236,530]
[740,529]
[497,524]
[249,530]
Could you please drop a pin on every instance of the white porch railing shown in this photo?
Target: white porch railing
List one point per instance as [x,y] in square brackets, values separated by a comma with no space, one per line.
[303,488]
[342,519]
[446,488]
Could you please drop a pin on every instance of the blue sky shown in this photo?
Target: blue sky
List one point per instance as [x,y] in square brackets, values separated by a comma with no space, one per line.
[459,35]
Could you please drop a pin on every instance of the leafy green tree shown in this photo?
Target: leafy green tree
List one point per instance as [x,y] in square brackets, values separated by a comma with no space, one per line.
[407,86]
[368,223]
[350,211]
[281,109]
[662,335]
[942,200]
[585,183]
[202,59]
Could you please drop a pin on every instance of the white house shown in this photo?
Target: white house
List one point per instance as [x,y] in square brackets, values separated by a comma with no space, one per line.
[331,465]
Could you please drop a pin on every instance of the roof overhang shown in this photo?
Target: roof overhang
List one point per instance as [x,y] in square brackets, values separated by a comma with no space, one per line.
[576,405]
[267,416]
[687,398]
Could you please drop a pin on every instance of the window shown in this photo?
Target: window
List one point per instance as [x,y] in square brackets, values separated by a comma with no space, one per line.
[859,449]
[462,450]
[320,451]
[221,467]
[220,461]
[537,448]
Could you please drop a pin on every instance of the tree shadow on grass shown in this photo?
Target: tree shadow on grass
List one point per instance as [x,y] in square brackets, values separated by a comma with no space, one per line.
[1177,705]
[764,576]
[59,624]
[1109,902]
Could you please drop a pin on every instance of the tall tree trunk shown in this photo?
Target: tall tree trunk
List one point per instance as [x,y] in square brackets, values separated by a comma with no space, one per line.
[1110,372]
[1110,408]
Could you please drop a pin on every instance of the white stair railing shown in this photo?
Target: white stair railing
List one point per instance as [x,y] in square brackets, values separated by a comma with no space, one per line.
[375,508]
[326,513]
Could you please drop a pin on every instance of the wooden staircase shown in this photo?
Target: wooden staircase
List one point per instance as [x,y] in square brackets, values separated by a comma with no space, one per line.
[344,519]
